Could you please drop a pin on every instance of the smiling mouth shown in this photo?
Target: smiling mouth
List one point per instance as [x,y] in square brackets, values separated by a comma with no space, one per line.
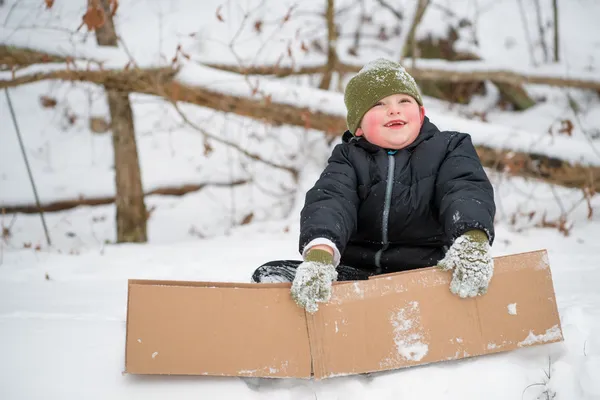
[395,123]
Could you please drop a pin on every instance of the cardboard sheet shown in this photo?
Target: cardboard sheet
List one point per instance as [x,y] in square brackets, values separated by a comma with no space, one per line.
[392,321]
[412,318]
[200,328]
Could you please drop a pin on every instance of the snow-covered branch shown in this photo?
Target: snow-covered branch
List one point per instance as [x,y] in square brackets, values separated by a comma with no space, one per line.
[286,104]
[439,70]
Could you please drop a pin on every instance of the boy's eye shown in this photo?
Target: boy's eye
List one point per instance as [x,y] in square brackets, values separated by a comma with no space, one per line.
[405,101]
[379,103]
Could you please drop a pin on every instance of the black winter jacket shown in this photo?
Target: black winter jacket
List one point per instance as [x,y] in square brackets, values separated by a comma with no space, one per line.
[390,211]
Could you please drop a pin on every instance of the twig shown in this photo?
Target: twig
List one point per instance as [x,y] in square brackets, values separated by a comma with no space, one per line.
[391,9]
[10,11]
[526,29]
[252,156]
[37,199]
[555,13]
[538,13]
[574,108]
[122,42]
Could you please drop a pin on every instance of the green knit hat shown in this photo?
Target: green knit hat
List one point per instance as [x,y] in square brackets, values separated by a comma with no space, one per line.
[376,80]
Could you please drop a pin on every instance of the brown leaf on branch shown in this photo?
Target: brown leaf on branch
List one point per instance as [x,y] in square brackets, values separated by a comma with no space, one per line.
[566,127]
[207,148]
[560,224]
[93,18]
[247,219]
[219,17]
[287,16]
[49,4]
[48,102]
[258,26]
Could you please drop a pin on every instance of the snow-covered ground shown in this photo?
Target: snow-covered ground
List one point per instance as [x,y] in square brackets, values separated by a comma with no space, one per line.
[63,307]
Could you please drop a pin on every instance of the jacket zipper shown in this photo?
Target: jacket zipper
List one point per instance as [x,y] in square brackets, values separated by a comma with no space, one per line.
[386,210]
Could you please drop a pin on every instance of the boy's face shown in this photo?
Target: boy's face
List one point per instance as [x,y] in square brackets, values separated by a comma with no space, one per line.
[393,123]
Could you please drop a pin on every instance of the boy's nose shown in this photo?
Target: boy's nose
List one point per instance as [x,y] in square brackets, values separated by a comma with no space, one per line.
[393,109]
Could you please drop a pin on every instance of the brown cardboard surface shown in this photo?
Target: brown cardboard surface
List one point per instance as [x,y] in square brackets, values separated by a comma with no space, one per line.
[391,321]
[201,328]
[411,318]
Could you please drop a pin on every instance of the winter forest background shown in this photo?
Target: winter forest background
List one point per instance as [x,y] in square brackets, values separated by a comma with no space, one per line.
[176,139]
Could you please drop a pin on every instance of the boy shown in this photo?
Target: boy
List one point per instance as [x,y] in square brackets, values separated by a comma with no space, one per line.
[397,194]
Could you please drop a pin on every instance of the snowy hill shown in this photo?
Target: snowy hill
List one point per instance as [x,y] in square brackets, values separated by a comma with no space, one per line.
[63,307]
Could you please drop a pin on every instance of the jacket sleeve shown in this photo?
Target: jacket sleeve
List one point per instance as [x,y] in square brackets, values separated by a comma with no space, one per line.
[464,195]
[330,207]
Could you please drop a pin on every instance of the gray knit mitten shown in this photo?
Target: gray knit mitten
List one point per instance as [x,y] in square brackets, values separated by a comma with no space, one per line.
[470,258]
[313,280]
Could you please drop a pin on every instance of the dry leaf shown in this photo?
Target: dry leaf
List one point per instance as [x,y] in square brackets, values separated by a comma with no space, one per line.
[94,18]
[566,127]
[247,219]
[48,102]
[99,125]
[49,4]
[71,118]
[207,148]
[288,15]
[303,47]
[219,17]
[258,26]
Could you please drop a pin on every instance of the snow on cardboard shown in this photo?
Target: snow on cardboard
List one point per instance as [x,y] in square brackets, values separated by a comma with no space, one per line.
[388,322]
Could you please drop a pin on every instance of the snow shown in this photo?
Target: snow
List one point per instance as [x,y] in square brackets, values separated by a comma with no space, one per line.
[408,334]
[550,334]
[63,307]
[512,308]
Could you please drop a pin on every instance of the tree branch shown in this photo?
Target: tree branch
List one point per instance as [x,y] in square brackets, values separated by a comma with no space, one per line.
[425,73]
[161,82]
[96,201]
[235,146]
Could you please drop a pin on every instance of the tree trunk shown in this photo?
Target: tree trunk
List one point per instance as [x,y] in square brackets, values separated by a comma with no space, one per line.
[410,39]
[129,201]
[331,46]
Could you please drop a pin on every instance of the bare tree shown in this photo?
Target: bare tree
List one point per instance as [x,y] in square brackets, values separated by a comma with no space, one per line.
[331,46]
[410,39]
[129,200]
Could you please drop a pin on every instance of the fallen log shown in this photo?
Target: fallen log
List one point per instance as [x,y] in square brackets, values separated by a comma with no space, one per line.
[162,82]
[96,201]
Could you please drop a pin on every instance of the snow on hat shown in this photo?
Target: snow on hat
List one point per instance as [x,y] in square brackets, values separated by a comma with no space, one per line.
[378,79]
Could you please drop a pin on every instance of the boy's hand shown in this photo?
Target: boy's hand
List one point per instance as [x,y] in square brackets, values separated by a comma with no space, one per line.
[313,280]
[470,258]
